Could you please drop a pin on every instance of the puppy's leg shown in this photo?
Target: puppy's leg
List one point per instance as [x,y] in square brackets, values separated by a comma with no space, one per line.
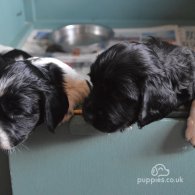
[190,131]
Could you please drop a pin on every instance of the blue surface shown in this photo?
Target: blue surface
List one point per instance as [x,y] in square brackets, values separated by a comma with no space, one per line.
[76,161]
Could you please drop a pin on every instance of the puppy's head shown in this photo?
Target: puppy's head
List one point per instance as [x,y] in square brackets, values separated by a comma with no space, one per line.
[115,96]
[29,96]
[128,87]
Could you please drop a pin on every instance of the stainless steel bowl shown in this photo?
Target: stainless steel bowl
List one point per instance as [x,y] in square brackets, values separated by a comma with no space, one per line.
[78,35]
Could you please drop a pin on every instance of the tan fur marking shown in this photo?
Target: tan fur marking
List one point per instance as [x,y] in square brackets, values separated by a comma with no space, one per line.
[77,90]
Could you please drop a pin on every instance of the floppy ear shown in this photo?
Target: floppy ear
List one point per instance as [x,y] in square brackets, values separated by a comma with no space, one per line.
[158,100]
[56,106]
[15,54]
[56,100]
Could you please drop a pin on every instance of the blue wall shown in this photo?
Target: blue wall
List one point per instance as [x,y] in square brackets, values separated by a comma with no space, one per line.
[19,16]
[12,21]
[46,13]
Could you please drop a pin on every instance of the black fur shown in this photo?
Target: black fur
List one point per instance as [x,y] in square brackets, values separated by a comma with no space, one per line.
[138,82]
[14,54]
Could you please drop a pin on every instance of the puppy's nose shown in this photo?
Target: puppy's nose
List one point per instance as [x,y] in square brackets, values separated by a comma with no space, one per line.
[88,116]
[88,110]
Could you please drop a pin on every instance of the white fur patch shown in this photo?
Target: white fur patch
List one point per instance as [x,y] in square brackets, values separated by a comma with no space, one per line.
[19,58]
[4,140]
[36,61]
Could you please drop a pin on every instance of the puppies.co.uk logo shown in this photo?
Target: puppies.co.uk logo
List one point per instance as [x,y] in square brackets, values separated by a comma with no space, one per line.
[160,170]
[160,175]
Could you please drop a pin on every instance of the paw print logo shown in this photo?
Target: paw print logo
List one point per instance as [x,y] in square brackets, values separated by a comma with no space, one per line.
[160,170]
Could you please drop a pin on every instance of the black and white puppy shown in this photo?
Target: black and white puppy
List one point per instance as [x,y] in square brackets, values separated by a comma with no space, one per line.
[34,91]
[139,82]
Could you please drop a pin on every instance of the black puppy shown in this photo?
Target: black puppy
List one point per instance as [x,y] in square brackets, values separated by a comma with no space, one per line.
[139,82]
[33,91]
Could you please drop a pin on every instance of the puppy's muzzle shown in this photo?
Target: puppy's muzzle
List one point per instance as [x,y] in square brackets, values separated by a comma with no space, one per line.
[88,112]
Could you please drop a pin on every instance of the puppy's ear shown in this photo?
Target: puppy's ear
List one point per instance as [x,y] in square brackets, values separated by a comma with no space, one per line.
[15,54]
[56,106]
[158,100]
[56,101]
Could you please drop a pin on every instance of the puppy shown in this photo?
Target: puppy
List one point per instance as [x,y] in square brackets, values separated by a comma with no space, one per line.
[34,91]
[139,82]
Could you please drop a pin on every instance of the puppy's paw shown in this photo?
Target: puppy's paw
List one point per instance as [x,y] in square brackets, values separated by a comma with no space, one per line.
[190,131]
